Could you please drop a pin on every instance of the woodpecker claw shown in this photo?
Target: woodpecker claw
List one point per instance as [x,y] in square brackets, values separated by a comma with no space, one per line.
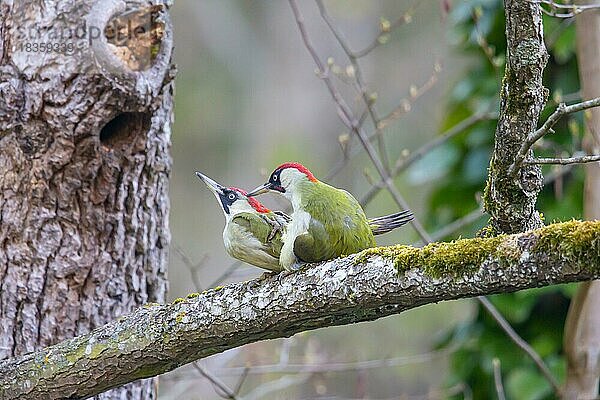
[275,227]
[272,234]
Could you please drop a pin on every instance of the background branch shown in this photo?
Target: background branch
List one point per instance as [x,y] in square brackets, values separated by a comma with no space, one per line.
[518,340]
[564,10]
[403,163]
[511,202]
[498,379]
[565,161]
[546,128]
[220,387]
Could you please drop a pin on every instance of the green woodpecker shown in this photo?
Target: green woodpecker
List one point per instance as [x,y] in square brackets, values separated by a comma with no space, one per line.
[326,222]
[252,233]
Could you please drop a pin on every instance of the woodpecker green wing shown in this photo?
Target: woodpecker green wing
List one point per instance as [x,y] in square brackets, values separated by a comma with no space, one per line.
[267,228]
[357,233]
[338,225]
[314,245]
[255,239]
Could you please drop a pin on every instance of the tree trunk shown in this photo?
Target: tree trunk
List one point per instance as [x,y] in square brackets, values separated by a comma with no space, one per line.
[582,327]
[84,165]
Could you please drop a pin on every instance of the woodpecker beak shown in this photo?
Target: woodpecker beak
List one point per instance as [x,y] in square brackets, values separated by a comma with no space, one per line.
[267,187]
[216,188]
[260,190]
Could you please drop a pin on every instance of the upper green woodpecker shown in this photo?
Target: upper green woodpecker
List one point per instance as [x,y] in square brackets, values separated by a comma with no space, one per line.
[326,222]
[252,233]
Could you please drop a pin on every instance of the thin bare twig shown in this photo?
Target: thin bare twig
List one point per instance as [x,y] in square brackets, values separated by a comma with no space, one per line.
[522,344]
[560,111]
[460,223]
[226,274]
[193,268]
[347,117]
[565,161]
[341,366]
[405,103]
[556,9]
[405,162]
[224,390]
[498,379]
[360,83]
[386,28]
[242,379]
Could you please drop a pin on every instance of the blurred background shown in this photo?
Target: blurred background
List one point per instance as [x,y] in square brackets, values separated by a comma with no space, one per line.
[248,99]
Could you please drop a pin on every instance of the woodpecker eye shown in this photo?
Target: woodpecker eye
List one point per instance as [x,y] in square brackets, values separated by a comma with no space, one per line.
[274,178]
[231,196]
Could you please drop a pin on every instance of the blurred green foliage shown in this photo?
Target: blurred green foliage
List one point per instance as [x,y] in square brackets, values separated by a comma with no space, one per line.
[537,315]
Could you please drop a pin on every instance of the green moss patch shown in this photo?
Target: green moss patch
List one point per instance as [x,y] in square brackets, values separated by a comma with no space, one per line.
[576,241]
[437,259]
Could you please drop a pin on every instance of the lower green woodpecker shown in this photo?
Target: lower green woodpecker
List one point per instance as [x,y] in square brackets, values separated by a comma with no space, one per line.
[252,232]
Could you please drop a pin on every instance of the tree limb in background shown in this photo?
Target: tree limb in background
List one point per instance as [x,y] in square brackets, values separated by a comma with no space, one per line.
[403,163]
[498,379]
[404,106]
[385,28]
[565,161]
[220,387]
[565,10]
[519,341]
[546,128]
[358,75]
[511,201]
[376,283]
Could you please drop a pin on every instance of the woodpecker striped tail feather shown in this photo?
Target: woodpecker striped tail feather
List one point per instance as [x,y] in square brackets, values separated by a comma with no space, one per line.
[387,223]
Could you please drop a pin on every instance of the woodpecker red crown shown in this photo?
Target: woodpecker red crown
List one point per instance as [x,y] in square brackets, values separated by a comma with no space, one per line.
[257,205]
[300,168]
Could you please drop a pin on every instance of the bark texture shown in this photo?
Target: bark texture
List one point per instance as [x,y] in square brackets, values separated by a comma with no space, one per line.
[376,283]
[582,327]
[510,201]
[84,166]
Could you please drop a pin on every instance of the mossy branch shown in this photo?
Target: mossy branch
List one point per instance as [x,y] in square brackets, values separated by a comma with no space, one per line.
[378,282]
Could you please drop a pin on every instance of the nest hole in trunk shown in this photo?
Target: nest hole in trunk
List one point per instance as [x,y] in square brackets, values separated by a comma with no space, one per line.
[125,129]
